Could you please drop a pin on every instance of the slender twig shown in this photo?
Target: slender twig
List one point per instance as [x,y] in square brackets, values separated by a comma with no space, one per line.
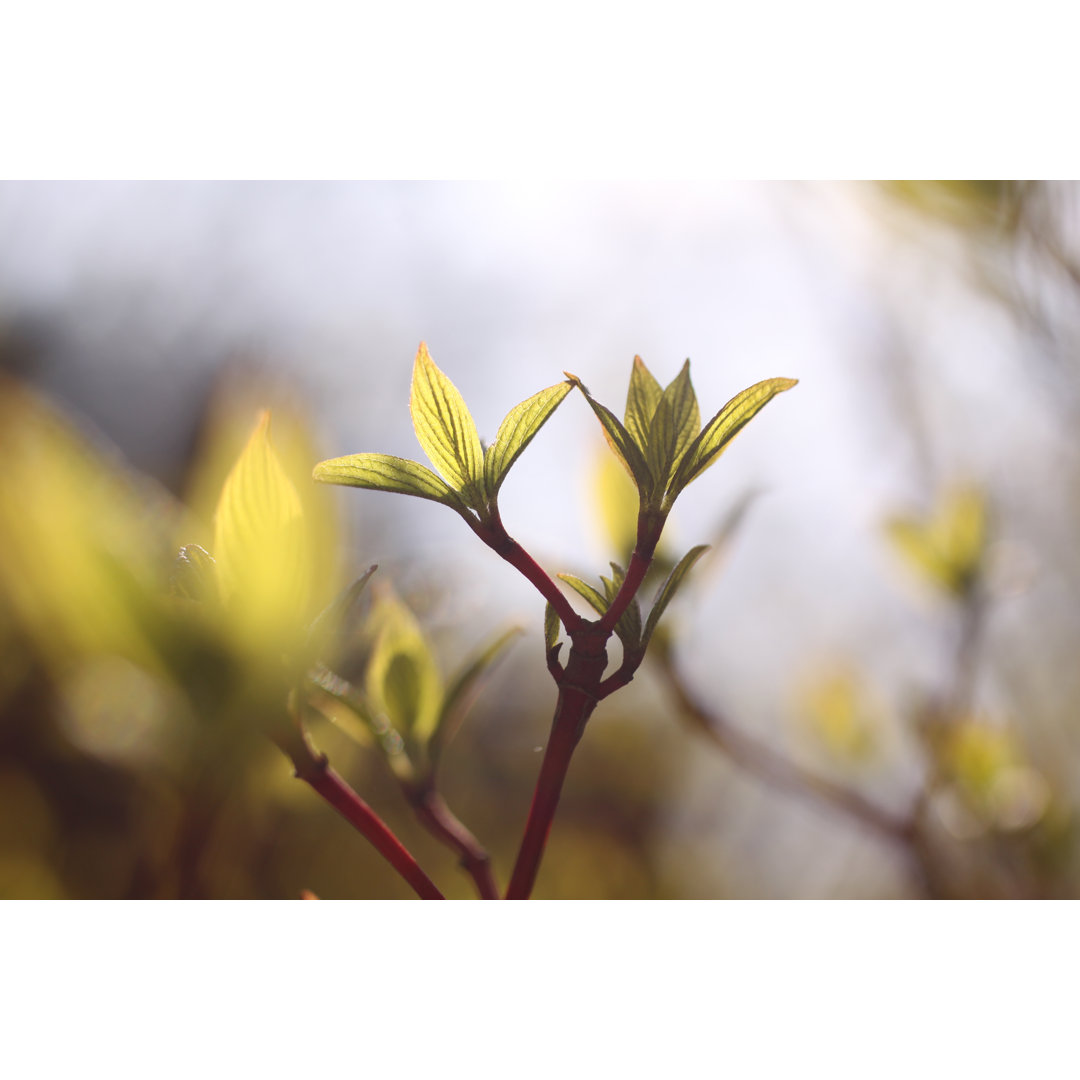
[440,821]
[314,769]
[494,534]
[776,770]
[429,806]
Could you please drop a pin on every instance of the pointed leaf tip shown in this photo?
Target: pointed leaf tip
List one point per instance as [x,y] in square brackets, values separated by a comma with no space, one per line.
[595,598]
[721,429]
[445,429]
[517,430]
[675,424]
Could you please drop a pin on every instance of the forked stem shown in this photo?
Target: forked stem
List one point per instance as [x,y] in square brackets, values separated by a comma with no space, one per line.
[314,769]
[441,822]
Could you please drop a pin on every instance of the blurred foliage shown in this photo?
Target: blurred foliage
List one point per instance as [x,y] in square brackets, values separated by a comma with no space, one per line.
[136,687]
[948,547]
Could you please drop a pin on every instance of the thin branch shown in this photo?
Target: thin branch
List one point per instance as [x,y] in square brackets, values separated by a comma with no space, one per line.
[777,771]
[494,534]
[440,821]
[314,769]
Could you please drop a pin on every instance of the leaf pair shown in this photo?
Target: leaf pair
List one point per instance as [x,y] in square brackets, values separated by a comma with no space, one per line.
[471,476]
[661,442]
[635,638]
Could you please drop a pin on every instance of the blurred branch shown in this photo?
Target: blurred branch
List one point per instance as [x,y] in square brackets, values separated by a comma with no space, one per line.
[314,769]
[901,832]
[775,770]
[440,821]
[429,806]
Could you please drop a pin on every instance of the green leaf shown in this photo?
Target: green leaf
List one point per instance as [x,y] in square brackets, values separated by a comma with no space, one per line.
[668,589]
[402,679]
[516,431]
[463,690]
[382,472]
[611,585]
[446,430]
[675,425]
[595,598]
[619,439]
[721,429]
[641,401]
[551,627]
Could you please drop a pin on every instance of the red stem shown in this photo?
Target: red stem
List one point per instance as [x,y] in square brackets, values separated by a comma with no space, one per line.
[314,769]
[573,709]
[494,534]
[635,575]
[650,526]
[440,821]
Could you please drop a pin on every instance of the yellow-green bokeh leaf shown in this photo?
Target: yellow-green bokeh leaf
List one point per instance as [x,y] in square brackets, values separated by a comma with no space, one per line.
[641,401]
[948,547]
[261,548]
[446,430]
[517,430]
[402,679]
[721,429]
[839,716]
[84,549]
[614,501]
[383,472]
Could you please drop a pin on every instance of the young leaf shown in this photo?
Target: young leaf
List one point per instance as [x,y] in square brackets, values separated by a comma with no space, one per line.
[594,597]
[260,546]
[516,431]
[668,589]
[611,585]
[382,472]
[721,429]
[463,690]
[641,401]
[619,439]
[445,429]
[675,424]
[402,679]
[551,627]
